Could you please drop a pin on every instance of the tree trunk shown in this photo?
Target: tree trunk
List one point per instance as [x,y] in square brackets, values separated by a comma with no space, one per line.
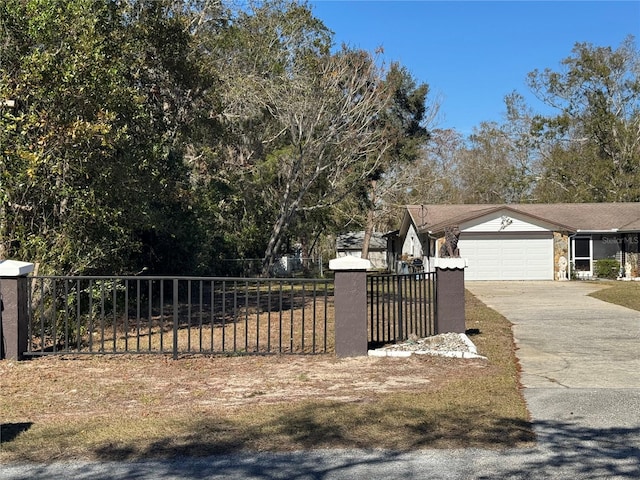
[368,229]
[368,233]
[272,247]
[304,252]
[281,225]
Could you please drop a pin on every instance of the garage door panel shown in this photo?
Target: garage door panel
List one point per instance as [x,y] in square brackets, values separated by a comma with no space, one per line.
[507,257]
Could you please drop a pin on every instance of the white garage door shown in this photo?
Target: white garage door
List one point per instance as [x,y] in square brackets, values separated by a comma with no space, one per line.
[507,256]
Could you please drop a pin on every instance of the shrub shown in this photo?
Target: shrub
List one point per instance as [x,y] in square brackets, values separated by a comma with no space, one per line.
[607,268]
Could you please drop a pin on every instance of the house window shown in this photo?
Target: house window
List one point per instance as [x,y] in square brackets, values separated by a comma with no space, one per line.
[582,254]
[607,246]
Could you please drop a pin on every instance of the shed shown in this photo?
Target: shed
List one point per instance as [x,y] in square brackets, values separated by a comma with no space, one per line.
[350,244]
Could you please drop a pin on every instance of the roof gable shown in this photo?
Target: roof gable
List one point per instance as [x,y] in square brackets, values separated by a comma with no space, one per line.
[507,220]
[571,217]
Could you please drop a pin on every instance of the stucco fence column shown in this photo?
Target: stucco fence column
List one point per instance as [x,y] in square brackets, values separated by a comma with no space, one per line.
[14,290]
[350,301]
[450,316]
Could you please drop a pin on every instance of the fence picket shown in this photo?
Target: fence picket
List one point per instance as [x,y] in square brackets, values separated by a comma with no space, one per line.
[98,315]
[401,305]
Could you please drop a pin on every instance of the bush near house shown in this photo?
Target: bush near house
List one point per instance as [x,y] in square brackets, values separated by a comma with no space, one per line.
[607,268]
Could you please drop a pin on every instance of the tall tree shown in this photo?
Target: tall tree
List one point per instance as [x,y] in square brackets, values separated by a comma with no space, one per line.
[404,123]
[58,142]
[305,120]
[494,168]
[328,114]
[174,134]
[435,177]
[90,157]
[592,146]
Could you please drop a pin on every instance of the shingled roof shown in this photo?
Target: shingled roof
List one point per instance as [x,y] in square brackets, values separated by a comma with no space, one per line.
[572,217]
[354,240]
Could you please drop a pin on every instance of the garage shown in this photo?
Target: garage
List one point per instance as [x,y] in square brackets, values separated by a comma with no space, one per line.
[508,256]
[523,241]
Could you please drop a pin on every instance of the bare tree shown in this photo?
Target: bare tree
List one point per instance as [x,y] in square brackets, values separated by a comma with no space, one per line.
[406,124]
[328,114]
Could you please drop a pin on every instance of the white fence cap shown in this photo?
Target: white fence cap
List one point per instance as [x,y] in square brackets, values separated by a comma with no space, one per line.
[349,263]
[14,268]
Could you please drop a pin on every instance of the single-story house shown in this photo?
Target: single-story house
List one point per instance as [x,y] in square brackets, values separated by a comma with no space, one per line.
[350,244]
[526,241]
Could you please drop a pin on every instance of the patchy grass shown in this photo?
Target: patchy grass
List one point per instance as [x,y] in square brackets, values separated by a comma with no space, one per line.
[626,294]
[129,407]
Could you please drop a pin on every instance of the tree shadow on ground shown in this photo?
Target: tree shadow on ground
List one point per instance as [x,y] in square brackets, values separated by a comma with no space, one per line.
[327,425]
[9,431]
[576,451]
[585,453]
[324,445]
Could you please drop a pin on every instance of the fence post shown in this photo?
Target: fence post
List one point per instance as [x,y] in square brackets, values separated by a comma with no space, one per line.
[14,313]
[400,308]
[450,304]
[176,293]
[350,305]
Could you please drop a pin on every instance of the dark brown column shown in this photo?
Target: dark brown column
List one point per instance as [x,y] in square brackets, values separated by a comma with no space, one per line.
[351,313]
[350,305]
[450,315]
[13,291]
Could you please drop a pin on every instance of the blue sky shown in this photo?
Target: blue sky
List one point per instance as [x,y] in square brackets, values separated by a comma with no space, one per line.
[474,53]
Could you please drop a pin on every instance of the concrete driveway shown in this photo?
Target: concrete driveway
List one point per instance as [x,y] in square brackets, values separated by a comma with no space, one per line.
[565,338]
[580,360]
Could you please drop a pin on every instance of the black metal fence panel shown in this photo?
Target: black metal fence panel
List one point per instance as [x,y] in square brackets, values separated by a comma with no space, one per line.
[179,315]
[401,306]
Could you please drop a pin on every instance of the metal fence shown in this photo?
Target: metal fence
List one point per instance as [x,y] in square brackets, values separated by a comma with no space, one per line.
[400,306]
[179,315]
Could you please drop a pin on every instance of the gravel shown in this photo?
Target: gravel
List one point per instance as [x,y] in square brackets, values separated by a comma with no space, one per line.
[445,344]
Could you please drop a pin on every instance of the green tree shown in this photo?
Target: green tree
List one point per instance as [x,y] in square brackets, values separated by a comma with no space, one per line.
[58,142]
[174,134]
[303,121]
[91,153]
[591,148]
[493,168]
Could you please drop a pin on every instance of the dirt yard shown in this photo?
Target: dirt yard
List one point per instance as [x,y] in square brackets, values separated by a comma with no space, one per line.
[100,386]
[135,407]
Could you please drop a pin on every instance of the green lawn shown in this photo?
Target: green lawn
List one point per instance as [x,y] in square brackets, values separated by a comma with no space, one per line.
[626,294]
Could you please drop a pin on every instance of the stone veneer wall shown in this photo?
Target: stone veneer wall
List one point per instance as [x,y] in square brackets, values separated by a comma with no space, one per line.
[633,254]
[560,249]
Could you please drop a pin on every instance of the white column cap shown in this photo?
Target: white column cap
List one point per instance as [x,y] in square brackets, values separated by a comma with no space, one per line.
[349,263]
[448,263]
[14,268]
